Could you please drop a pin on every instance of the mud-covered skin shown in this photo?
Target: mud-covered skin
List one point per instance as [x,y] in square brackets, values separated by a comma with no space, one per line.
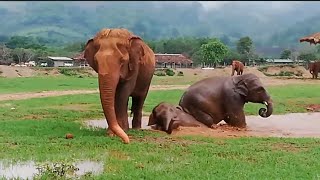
[167,117]
[214,99]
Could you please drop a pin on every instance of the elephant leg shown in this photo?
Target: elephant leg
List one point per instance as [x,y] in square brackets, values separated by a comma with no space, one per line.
[121,107]
[137,105]
[232,71]
[204,118]
[236,119]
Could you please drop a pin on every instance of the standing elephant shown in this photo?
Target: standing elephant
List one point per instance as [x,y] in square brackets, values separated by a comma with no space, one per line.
[214,99]
[125,66]
[237,66]
[314,69]
[167,117]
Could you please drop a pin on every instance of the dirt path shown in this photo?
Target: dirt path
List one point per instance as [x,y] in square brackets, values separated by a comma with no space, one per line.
[287,125]
[18,96]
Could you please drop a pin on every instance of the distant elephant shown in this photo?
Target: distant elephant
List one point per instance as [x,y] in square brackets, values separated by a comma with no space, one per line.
[167,117]
[314,69]
[125,66]
[237,66]
[214,99]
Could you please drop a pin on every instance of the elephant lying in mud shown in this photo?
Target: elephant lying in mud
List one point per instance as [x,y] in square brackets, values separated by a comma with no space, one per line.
[167,117]
[212,100]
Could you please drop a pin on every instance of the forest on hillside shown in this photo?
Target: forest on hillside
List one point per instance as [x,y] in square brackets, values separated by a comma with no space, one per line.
[62,28]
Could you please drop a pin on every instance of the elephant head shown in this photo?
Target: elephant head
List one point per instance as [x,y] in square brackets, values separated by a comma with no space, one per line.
[167,117]
[108,54]
[162,115]
[250,88]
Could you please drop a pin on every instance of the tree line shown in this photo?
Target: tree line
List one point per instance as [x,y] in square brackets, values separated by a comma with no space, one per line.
[203,51]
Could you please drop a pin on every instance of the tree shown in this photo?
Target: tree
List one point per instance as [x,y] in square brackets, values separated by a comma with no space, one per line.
[22,55]
[307,57]
[231,55]
[213,52]
[244,45]
[5,53]
[286,54]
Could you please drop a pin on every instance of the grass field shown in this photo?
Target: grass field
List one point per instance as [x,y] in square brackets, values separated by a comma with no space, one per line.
[35,129]
[43,83]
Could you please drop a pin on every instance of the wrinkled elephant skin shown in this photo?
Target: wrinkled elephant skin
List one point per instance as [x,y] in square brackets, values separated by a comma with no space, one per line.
[214,99]
[125,66]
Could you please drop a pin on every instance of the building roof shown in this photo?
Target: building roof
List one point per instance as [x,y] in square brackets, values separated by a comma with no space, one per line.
[60,58]
[172,58]
[282,60]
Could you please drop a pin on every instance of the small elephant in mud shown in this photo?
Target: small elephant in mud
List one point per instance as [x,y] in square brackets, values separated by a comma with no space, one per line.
[167,117]
[214,99]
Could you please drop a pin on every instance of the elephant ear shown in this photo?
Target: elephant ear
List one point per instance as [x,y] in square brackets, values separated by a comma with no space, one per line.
[136,54]
[152,120]
[89,53]
[240,85]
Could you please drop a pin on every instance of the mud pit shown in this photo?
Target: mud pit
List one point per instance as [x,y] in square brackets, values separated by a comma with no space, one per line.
[288,125]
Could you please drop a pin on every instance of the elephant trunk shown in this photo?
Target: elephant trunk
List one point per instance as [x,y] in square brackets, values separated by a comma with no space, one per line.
[107,87]
[263,112]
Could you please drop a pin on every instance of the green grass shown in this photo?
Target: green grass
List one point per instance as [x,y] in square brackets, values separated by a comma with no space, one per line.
[35,130]
[35,84]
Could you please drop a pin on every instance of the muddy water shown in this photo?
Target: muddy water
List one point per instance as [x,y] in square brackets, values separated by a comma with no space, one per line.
[27,170]
[288,125]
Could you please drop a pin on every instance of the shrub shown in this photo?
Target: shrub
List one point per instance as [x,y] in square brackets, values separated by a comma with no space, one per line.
[67,72]
[180,73]
[160,73]
[170,72]
[285,73]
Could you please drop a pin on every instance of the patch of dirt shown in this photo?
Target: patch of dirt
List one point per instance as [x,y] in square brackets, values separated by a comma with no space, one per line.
[119,155]
[313,107]
[297,71]
[13,71]
[34,117]
[18,96]
[288,147]
[47,72]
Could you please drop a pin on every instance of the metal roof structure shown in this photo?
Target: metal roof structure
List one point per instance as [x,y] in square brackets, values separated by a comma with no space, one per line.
[60,58]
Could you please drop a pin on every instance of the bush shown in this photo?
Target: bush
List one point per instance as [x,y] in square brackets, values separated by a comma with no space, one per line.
[180,73]
[67,72]
[170,72]
[285,73]
[160,73]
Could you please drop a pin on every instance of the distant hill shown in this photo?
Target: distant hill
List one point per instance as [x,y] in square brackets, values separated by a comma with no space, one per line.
[69,21]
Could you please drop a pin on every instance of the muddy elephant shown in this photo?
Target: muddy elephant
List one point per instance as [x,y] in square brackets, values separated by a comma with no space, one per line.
[125,66]
[237,66]
[167,117]
[214,99]
[314,69]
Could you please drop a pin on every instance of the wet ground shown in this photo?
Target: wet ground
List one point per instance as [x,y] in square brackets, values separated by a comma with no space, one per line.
[27,170]
[288,125]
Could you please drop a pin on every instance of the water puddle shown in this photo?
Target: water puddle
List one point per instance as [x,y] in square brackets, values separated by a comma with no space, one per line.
[102,123]
[286,125]
[29,169]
